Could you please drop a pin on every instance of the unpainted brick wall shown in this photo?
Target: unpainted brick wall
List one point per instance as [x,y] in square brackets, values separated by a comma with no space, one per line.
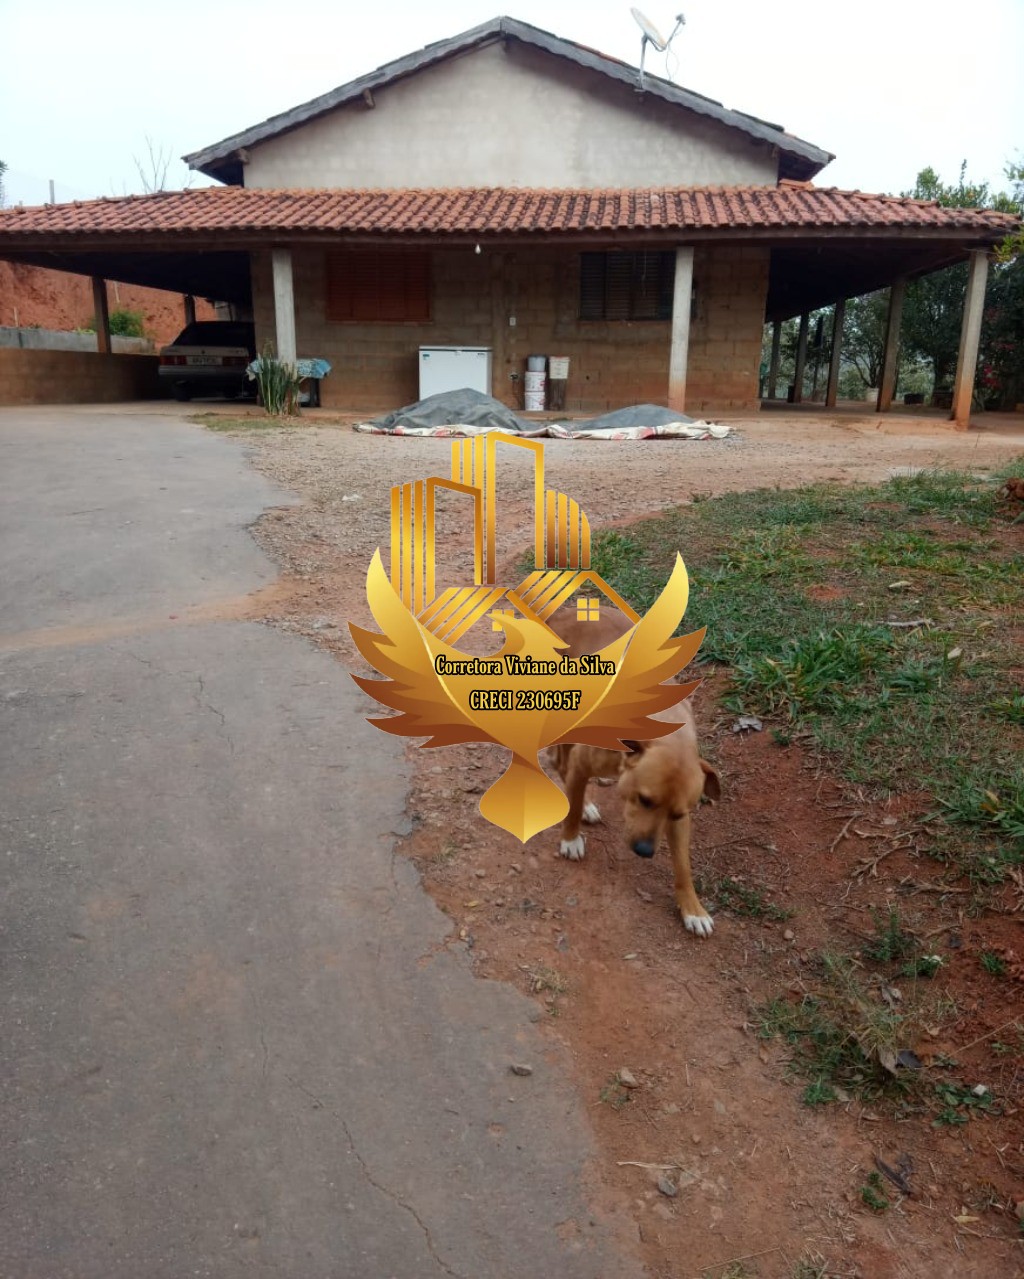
[75,377]
[375,366]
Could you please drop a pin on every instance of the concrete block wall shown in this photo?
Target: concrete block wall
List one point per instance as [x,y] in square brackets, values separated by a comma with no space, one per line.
[375,366]
[75,377]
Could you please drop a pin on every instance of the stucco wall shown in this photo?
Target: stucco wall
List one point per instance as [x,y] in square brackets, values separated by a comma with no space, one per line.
[510,115]
[375,366]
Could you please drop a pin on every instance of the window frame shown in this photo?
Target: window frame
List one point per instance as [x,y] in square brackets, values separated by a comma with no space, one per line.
[613,282]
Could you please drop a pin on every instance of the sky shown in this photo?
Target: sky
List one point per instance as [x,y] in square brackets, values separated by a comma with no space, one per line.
[889,86]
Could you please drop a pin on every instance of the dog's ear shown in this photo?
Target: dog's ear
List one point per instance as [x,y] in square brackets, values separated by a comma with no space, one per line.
[634,748]
[712,782]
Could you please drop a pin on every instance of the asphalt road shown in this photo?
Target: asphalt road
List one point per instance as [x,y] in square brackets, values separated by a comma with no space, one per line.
[234,1040]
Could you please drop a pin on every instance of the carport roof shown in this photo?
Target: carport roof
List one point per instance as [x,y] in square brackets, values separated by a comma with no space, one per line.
[242,213]
[825,243]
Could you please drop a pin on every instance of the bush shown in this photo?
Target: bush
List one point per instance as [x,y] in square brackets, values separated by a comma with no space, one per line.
[128,324]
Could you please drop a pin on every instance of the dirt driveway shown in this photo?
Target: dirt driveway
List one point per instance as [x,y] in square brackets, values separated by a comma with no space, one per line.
[710,1154]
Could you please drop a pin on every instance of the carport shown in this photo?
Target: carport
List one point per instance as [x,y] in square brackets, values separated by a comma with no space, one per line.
[820,246]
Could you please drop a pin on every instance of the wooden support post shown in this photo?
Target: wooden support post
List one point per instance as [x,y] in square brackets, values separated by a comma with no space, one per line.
[801,359]
[892,346]
[832,389]
[284,304]
[679,352]
[970,335]
[773,368]
[190,309]
[102,313]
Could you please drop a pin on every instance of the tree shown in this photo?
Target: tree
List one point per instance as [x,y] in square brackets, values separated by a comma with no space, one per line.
[1002,344]
[3,170]
[152,169]
[933,307]
[864,334]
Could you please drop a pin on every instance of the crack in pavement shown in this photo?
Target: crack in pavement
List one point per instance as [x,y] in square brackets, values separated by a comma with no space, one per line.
[377,1185]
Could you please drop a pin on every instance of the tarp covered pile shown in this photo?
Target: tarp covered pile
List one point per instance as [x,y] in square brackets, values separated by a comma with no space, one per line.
[466,412]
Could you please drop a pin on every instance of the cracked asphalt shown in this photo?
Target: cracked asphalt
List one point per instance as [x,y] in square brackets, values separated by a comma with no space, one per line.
[235,1038]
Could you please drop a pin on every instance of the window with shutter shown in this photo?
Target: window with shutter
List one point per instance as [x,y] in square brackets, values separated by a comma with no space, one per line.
[378,286]
[626,286]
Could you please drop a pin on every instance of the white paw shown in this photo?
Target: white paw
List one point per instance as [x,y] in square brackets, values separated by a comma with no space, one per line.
[573,848]
[701,925]
[591,813]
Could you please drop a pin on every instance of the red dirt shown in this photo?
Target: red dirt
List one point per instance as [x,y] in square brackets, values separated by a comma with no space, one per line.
[760,1176]
[31,296]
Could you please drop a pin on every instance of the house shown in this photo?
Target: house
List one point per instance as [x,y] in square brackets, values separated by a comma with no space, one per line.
[511,189]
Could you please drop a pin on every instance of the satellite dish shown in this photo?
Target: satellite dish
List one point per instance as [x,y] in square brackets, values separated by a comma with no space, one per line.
[652,36]
[651,33]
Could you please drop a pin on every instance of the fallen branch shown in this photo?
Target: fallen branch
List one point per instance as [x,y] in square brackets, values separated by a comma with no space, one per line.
[842,834]
[1014,1021]
[730,1261]
[633,1163]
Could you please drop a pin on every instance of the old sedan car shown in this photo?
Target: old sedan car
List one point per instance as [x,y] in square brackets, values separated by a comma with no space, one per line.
[209,357]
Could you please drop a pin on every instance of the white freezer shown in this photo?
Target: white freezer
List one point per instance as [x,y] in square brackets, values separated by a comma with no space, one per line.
[449,368]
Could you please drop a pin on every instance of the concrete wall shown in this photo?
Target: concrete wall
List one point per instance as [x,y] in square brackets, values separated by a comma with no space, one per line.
[509,115]
[75,377]
[57,340]
[375,366]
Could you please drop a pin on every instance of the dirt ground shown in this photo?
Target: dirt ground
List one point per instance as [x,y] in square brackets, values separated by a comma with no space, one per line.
[722,1170]
[35,297]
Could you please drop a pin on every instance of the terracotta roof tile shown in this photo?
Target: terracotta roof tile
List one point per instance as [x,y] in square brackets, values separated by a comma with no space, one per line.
[464,212]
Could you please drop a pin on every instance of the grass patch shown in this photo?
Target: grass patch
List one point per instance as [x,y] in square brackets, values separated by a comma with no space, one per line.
[223,423]
[891,941]
[740,899]
[992,963]
[547,979]
[872,1193]
[845,1038]
[615,1094]
[795,590]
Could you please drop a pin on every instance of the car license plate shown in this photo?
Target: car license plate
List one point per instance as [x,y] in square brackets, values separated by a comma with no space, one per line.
[203,359]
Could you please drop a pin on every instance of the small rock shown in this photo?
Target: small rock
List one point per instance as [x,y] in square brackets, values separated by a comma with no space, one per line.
[900,585]
[667,1187]
[1019,1210]
[519,1068]
[746,722]
[627,1079]
[663,1211]
[480,874]
[515,868]
[695,1138]
[789,935]
[632,955]
[980,1090]
[644,896]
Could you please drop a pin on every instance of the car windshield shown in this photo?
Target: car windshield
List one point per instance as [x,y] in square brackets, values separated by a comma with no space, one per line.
[215,333]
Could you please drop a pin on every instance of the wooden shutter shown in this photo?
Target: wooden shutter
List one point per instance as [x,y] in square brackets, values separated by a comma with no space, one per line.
[378,286]
[626,286]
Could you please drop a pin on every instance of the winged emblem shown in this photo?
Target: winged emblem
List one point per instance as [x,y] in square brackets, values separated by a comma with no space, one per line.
[609,708]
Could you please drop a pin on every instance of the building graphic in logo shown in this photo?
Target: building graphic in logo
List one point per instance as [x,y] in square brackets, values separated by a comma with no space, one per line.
[561,546]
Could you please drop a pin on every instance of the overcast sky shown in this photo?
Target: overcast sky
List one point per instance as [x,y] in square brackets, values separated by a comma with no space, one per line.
[889,86]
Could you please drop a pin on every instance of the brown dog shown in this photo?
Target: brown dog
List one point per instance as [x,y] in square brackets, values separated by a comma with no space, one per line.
[661,782]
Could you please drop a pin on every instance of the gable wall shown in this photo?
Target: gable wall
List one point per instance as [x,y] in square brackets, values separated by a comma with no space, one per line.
[510,115]
[375,366]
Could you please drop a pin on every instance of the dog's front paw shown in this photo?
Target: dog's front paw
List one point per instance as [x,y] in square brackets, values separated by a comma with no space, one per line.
[699,925]
[573,848]
[591,813]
